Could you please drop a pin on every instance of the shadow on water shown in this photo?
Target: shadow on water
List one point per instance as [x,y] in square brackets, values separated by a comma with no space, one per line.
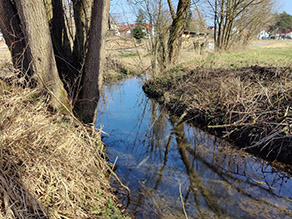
[156,156]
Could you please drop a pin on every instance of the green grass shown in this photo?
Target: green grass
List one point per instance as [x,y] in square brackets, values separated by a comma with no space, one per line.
[261,56]
[113,212]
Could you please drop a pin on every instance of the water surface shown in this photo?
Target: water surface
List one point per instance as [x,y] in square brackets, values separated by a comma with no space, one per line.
[175,170]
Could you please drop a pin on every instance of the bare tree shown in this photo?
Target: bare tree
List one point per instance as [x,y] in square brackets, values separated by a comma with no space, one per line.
[169,25]
[251,21]
[231,17]
[159,19]
[45,43]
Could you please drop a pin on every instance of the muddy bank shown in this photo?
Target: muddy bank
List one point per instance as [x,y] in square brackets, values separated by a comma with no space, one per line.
[250,107]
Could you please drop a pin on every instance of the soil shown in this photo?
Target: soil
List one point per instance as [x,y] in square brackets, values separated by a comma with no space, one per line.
[250,107]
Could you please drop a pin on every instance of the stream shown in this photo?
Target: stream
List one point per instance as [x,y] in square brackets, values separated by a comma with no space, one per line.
[178,171]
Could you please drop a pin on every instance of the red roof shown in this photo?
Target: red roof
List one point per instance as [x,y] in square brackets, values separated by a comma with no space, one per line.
[130,26]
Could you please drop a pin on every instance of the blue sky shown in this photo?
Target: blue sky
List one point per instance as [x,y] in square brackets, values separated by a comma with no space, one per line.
[285,5]
[125,13]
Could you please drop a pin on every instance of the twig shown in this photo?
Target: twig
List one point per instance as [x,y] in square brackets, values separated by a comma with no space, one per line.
[230,125]
[182,201]
[113,166]
[117,178]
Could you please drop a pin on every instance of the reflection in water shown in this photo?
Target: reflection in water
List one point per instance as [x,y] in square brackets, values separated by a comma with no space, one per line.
[156,155]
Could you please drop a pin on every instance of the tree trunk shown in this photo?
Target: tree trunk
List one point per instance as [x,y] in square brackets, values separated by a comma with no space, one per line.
[13,35]
[61,45]
[215,21]
[36,29]
[82,16]
[92,76]
[176,31]
[221,25]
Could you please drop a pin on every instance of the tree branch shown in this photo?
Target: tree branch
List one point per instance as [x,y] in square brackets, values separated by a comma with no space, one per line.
[173,14]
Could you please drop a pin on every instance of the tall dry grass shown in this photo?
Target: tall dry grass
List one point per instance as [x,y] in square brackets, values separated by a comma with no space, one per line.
[249,106]
[50,166]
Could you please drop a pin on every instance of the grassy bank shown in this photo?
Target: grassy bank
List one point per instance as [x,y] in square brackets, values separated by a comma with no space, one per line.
[125,58]
[248,105]
[116,70]
[51,166]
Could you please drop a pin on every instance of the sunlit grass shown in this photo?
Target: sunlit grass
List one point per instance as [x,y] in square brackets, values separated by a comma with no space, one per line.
[262,56]
[278,54]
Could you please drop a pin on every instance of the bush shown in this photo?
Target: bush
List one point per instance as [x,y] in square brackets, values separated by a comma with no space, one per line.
[138,33]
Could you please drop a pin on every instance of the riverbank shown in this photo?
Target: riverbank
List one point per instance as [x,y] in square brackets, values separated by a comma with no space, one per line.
[248,106]
[52,166]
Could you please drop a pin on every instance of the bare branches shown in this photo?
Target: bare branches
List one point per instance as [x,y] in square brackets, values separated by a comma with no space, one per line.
[231,15]
[173,14]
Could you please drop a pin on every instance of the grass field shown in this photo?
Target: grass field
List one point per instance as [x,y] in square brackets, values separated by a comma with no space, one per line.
[259,56]
[264,53]
[137,58]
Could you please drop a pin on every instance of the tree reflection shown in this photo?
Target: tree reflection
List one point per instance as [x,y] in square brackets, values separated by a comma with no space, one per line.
[157,154]
[214,203]
[196,183]
[227,176]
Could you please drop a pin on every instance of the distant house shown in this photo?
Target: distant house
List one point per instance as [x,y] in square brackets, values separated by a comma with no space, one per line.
[126,28]
[115,29]
[263,35]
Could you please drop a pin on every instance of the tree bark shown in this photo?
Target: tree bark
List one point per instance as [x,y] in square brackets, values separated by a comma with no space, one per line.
[82,16]
[92,76]
[36,29]
[176,30]
[13,35]
[61,44]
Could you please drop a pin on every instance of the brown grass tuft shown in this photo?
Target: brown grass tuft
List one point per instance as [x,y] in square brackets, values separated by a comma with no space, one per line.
[51,167]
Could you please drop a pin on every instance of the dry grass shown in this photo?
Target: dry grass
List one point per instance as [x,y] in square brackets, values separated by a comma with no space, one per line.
[270,44]
[51,166]
[250,106]
[136,57]
[4,53]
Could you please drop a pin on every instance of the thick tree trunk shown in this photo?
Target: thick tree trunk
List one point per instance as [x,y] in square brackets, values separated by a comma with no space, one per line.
[176,31]
[82,16]
[61,44]
[34,21]
[11,28]
[92,76]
